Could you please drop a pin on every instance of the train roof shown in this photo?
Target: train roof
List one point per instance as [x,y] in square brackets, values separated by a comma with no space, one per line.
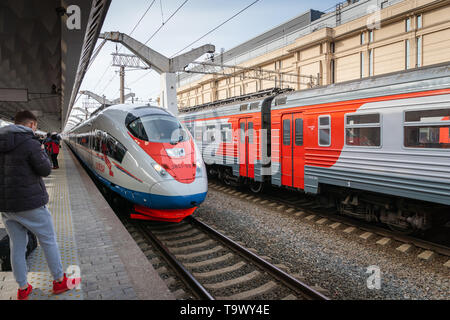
[249,103]
[131,111]
[423,79]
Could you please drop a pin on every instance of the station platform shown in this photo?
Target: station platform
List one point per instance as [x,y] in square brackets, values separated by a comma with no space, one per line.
[92,241]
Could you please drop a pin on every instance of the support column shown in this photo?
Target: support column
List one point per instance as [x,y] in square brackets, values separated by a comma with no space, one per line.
[122,84]
[169,92]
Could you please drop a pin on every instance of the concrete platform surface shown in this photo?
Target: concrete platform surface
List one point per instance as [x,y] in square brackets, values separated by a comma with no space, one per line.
[92,241]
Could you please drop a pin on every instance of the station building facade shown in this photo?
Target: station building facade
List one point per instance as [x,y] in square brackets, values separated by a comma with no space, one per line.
[357,39]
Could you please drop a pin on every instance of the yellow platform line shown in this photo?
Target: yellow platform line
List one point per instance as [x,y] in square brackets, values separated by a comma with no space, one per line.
[39,275]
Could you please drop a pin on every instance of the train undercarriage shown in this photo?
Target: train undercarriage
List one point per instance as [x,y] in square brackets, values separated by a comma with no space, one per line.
[406,216]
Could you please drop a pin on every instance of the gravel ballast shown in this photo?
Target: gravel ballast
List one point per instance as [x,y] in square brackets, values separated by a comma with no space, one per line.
[328,258]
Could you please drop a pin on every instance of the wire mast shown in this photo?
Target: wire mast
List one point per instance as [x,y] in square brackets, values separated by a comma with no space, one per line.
[123,61]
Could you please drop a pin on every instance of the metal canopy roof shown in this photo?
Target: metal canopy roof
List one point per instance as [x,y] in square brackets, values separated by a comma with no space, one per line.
[45,51]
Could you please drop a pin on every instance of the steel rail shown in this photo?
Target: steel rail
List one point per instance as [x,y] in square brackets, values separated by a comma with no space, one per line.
[291,282]
[361,224]
[185,275]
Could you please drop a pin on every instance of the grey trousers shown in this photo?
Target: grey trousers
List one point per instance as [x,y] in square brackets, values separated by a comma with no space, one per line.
[39,221]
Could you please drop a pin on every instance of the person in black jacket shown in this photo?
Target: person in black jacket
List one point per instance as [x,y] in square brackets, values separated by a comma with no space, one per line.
[46,143]
[23,199]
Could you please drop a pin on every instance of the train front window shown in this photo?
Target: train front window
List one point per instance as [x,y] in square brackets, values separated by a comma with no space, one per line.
[158,128]
[427,129]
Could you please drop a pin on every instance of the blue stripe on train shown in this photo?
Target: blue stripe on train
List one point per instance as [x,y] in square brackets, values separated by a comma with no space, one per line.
[153,201]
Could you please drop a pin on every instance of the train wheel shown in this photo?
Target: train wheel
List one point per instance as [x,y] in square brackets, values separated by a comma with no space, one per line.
[226,181]
[256,187]
[225,177]
[402,231]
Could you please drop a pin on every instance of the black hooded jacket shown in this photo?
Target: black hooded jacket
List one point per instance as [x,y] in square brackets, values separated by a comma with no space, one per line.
[22,165]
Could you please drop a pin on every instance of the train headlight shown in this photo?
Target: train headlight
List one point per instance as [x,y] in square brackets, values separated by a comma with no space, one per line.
[199,171]
[175,152]
[159,169]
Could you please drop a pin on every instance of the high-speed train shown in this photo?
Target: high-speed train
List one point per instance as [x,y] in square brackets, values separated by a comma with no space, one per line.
[144,154]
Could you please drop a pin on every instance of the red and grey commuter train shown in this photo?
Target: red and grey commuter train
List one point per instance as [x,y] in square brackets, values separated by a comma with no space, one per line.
[377,148]
[145,155]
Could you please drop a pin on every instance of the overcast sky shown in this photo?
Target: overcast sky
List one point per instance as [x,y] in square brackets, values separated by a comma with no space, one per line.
[193,20]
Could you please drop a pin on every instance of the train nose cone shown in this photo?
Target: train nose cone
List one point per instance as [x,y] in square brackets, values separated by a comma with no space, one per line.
[175,195]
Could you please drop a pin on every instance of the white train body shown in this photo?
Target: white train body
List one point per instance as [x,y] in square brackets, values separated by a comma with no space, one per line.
[144,154]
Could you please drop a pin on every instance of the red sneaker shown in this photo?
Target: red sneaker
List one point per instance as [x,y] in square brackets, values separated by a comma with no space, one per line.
[23,294]
[65,285]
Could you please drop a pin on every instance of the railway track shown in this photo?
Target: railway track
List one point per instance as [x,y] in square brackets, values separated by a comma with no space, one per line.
[215,267]
[292,202]
[211,265]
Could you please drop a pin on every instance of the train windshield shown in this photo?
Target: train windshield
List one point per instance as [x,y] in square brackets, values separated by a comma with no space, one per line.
[158,128]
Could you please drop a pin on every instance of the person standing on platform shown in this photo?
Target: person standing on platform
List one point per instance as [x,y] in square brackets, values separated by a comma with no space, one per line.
[23,199]
[54,150]
[47,144]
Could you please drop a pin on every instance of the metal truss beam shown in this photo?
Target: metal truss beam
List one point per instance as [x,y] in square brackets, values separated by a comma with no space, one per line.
[253,73]
[127,60]
[163,65]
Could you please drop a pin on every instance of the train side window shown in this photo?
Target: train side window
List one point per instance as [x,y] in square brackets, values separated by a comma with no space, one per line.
[287,132]
[427,129]
[84,140]
[113,148]
[250,132]
[363,130]
[324,131]
[210,135]
[98,141]
[243,107]
[198,133]
[280,101]
[242,132]
[299,132]
[190,127]
[226,132]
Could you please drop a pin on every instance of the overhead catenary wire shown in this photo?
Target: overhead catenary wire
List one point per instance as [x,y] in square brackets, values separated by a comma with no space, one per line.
[165,22]
[131,32]
[206,34]
[95,54]
[203,37]
[209,32]
[217,27]
[144,75]
[162,14]
[145,13]
[154,33]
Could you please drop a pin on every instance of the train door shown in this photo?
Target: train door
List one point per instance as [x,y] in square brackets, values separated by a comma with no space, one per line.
[243,148]
[292,150]
[251,147]
[286,150]
[298,152]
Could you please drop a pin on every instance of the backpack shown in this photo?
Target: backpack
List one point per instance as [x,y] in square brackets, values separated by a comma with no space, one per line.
[54,147]
[5,260]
